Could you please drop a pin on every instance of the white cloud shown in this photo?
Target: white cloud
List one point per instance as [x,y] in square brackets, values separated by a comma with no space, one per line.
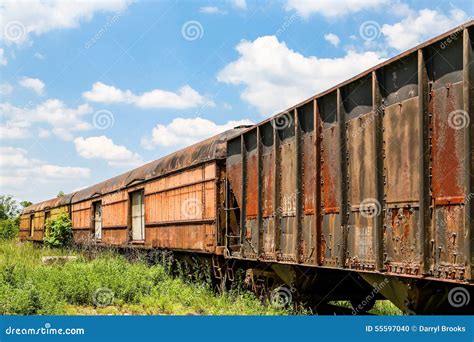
[211,10]
[104,148]
[240,4]
[62,119]
[17,170]
[276,77]
[332,39]
[186,97]
[33,83]
[12,131]
[184,132]
[44,133]
[39,55]
[3,59]
[22,18]
[420,26]
[5,89]
[331,8]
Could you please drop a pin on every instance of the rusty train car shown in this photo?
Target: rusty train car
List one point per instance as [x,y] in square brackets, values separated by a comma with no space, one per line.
[361,192]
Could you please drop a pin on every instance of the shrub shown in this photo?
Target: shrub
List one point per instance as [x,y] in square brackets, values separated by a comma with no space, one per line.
[9,229]
[58,231]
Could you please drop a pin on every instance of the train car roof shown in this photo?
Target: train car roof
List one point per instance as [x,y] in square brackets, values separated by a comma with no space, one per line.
[210,149]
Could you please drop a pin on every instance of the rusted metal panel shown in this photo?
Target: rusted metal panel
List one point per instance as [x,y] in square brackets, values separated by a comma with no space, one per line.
[288,193]
[330,181]
[309,173]
[401,136]
[343,178]
[360,245]
[329,170]
[361,151]
[403,252]
[424,171]
[403,242]
[81,215]
[267,192]
[251,195]
[448,144]
[378,110]
[448,250]
[234,195]
[251,183]
[267,177]
[330,240]
[361,157]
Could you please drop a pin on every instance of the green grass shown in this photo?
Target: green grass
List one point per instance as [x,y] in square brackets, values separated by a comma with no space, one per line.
[110,284]
[27,287]
[381,307]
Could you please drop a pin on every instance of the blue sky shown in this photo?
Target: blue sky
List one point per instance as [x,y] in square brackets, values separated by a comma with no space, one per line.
[91,90]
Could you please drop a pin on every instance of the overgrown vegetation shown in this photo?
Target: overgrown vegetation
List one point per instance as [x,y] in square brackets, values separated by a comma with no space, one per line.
[58,231]
[10,216]
[9,229]
[108,284]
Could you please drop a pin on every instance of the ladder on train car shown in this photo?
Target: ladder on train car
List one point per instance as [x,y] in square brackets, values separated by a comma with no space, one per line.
[232,242]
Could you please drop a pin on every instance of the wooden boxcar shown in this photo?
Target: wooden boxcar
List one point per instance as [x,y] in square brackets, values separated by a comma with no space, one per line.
[170,203]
